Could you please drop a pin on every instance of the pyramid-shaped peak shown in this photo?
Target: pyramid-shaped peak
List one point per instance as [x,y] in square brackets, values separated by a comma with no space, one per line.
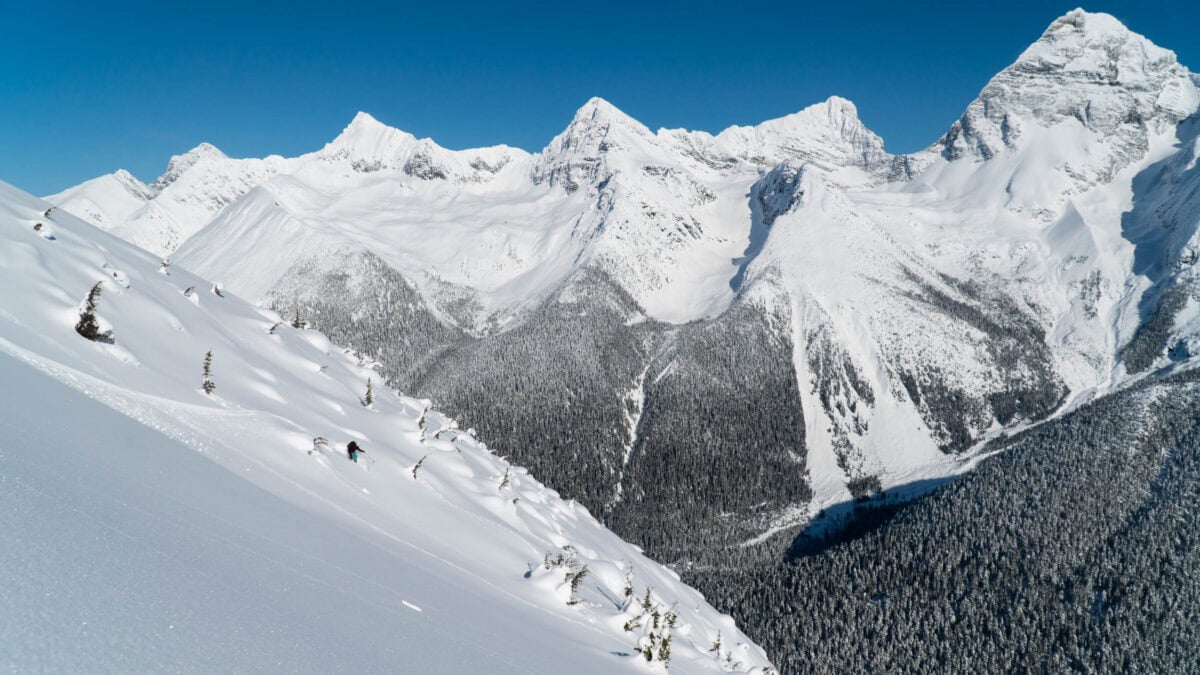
[366,136]
[201,151]
[594,125]
[839,105]
[181,163]
[598,110]
[364,120]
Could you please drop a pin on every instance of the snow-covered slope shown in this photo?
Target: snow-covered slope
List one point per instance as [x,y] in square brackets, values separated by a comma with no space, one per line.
[148,525]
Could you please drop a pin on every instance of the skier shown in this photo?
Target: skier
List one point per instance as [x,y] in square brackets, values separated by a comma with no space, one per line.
[353,451]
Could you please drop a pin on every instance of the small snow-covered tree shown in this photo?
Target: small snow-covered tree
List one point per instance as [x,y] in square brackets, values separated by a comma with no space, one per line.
[664,649]
[576,578]
[88,326]
[209,385]
[423,422]
[655,643]
[370,396]
[417,467]
[506,479]
[296,321]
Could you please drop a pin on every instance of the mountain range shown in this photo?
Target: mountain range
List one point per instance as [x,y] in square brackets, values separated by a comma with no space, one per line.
[717,343]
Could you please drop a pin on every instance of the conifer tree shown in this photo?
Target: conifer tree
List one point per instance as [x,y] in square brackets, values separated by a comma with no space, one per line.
[87,326]
[370,397]
[209,385]
[576,578]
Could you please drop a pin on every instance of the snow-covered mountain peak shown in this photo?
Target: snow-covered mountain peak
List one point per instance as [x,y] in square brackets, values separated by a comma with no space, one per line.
[181,163]
[368,142]
[364,120]
[598,127]
[1086,69]
[598,111]
[835,114]
[829,134]
[129,181]
[581,153]
[368,146]
[105,201]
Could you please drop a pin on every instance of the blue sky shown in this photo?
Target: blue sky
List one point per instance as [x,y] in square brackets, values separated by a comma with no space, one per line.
[89,87]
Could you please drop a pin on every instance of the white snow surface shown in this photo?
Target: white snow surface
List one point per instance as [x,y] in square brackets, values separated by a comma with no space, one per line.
[147,526]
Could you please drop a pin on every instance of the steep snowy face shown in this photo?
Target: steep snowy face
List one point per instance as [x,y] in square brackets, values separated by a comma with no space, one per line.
[1087,71]
[903,359]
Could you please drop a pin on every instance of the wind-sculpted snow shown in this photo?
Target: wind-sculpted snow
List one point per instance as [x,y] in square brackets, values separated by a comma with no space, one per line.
[181,498]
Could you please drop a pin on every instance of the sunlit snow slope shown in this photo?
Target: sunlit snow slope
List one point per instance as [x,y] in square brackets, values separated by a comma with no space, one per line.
[146,525]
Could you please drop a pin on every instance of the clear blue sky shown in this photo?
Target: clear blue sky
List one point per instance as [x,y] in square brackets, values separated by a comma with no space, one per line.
[89,87]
